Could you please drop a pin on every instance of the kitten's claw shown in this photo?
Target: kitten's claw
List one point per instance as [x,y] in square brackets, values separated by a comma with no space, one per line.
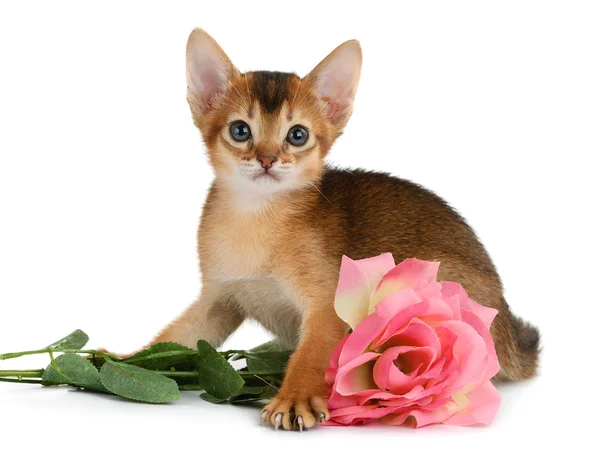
[300,423]
[264,417]
[295,413]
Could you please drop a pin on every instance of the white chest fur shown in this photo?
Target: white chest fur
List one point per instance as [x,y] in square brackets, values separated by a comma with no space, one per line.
[238,252]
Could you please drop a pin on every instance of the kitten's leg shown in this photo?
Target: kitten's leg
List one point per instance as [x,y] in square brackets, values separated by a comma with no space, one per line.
[213,317]
[302,400]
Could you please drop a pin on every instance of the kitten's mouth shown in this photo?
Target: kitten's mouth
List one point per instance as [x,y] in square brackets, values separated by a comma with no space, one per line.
[266,176]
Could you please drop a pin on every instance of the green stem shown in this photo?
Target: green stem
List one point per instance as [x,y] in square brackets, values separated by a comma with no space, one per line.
[16,355]
[12,380]
[250,355]
[161,355]
[22,373]
[266,373]
[169,373]
[49,350]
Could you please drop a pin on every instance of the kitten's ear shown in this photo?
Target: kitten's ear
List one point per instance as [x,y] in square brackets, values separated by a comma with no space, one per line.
[208,71]
[336,80]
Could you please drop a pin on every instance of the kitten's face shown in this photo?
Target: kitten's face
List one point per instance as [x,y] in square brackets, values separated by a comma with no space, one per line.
[269,131]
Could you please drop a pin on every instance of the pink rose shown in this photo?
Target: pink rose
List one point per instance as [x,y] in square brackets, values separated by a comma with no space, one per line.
[420,350]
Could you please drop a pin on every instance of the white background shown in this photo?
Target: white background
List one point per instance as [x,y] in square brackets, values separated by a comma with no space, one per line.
[495,106]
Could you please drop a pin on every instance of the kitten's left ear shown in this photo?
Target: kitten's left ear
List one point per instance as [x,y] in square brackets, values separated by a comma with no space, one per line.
[336,80]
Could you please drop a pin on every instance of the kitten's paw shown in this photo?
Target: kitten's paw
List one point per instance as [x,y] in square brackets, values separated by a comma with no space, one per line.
[295,413]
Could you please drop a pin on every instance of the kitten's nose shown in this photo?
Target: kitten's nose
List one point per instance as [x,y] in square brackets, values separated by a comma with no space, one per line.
[267,160]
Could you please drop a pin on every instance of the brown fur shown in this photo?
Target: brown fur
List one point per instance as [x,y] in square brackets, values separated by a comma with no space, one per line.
[275,257]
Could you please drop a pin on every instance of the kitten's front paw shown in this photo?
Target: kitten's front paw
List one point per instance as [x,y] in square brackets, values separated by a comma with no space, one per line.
[295,412]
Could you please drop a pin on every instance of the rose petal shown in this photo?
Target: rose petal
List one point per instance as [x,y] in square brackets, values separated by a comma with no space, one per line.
[493,365]
[431,402]
[397,302]
[389,377]
[373,325]
[414,396]
[360,339]
[414,333]
[425,417]
[405,275]
[376,267]
[480,318]
[451,296]
[337,401]
[355,415]
[395,419]
[386,398]
[334,361]
[486,314]
[481,407]
[470,351]
[429,290]
[356,376]
[357,280]
[425,386]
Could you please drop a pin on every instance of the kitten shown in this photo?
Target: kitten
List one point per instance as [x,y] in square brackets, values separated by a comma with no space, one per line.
[277,221]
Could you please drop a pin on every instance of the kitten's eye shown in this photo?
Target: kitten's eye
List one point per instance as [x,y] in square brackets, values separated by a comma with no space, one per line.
[297,135]
[240,131]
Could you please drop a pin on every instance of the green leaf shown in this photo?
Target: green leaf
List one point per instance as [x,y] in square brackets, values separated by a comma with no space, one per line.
[74,370]
[275,345]
[267,361]
[218,377]
[96,360]
[160,356]
[261,380]
[247,394]
[74,341]
[209,398]
[137,383]
[250,394]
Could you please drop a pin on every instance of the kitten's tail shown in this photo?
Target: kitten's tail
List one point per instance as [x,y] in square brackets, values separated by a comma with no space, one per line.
[524,357]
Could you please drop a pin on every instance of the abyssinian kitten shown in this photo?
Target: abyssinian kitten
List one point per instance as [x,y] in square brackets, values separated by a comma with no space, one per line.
[277,221]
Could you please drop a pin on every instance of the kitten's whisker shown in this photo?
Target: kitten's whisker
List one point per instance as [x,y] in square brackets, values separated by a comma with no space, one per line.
[239,93]
[224,98]
[266,382]
[320,192]
[305,95]
[296,93]
[248,90]
[239,105]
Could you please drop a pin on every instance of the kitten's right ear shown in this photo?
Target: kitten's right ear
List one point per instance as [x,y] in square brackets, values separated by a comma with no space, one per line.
[336,80]
[208,71]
